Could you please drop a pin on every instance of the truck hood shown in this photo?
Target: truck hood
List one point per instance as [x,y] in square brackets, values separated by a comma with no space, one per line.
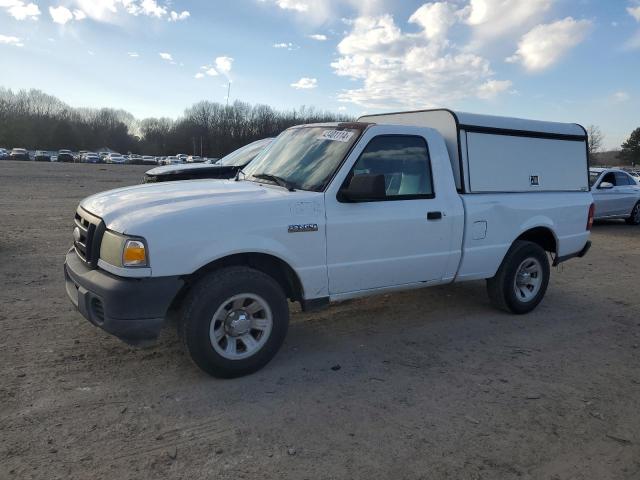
[141,204]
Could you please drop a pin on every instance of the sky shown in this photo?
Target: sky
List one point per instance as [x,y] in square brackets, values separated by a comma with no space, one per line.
[560,60]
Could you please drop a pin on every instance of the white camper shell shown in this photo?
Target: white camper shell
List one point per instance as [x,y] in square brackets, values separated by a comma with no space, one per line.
[527,153]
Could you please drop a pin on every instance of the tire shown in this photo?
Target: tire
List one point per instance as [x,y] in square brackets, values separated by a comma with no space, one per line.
[634,218]
[245,303]
[520,294]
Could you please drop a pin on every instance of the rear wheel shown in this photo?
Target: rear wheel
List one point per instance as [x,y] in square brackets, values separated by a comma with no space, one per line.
[234,321]
[634,219]
[522,279]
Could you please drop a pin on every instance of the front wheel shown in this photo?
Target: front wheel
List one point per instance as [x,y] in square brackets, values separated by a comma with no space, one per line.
[634,219]
[522,279]
[234,321]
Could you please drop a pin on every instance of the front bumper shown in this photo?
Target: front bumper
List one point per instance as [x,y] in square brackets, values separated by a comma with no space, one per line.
[132,309]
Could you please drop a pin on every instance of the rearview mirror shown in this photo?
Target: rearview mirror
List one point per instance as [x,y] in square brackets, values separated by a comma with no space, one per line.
[363,188]
[605,185]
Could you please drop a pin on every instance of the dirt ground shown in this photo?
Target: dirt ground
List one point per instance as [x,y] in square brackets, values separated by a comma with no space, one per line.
[427,384]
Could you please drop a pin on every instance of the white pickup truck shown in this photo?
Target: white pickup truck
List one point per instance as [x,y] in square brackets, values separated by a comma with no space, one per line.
[330,212]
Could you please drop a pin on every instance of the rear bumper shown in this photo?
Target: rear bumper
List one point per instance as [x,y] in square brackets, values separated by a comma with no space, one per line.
[580,254]
[131,309]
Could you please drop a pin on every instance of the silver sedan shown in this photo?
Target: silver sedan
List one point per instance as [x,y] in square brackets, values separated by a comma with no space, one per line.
[616,194]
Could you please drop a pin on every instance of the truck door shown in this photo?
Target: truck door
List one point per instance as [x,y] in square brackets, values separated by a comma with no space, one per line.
[399,238]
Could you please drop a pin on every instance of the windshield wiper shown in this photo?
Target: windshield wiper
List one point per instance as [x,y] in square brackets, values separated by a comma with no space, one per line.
[240,171]
[277,180]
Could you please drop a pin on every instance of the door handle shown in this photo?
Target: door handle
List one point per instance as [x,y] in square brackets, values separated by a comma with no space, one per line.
[434,216]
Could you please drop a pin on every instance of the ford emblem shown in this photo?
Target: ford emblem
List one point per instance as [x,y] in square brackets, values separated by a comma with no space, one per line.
[76,234]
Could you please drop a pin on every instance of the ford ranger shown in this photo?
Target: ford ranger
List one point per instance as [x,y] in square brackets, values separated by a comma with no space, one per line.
[331,212]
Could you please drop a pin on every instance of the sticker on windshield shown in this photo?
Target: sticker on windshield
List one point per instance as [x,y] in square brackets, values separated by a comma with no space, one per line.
[336,135]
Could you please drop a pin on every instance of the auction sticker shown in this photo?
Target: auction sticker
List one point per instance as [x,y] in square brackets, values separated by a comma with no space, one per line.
[336,135]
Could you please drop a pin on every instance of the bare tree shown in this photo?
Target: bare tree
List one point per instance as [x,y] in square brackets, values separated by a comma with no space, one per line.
[34,119]
[596,139]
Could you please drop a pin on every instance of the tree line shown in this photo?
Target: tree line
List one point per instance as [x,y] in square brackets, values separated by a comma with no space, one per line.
[33,119]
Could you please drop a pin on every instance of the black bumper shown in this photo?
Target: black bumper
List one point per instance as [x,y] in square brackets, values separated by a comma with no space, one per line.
[132,309]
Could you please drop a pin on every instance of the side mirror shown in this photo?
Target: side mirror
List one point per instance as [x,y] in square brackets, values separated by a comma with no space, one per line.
[605,185]
[363,188]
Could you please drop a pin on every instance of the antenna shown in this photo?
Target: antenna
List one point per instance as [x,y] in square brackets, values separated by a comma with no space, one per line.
[228,92]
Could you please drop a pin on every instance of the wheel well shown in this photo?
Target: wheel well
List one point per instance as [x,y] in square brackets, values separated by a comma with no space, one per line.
[276,268]
[543,237]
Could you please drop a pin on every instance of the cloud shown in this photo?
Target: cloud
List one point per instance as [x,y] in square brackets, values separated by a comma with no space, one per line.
[152,9]
[166,56]
[109,10]
[620,97]
[435,18]
[546,44]
[288,45]
[175,16]
[14,41]
[20,10]
[318,12]
[60,14]
[305,83]
[211,72]
[224,64]
[133,54]
[634,12]
[199,75]
[492,19]
[297,5]
[491,88]
[412,70]
[318,36]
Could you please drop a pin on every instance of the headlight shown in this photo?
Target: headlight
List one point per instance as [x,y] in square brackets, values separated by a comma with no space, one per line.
[121,251]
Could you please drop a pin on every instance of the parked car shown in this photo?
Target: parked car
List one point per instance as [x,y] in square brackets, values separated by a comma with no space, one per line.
[172,160]
[183,157]
[91,157]
[194,159]
[42,156]
[331,212]
[134,159]
[66,156]
[19,154]
[103,155]
[149,160]
[4,154]
[115,158]
[227,167]
[616,194]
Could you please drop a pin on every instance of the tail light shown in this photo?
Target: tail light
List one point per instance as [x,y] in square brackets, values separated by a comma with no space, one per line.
[592,211]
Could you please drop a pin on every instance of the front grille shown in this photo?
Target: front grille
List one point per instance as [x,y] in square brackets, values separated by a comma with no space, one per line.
[87,241]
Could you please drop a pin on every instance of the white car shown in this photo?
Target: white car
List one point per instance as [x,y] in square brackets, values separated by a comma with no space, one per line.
[616,194]
[115,158]
[172,160]
[331,212]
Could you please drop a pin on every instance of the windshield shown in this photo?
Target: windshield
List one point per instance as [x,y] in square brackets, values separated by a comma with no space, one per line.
[304,157]
[593,177]
[244,155]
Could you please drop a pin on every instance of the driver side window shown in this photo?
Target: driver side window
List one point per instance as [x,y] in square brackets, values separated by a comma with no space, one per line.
[403,160]
[609,177]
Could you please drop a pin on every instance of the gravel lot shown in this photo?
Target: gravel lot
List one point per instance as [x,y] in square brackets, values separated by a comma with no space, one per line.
[426,384]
